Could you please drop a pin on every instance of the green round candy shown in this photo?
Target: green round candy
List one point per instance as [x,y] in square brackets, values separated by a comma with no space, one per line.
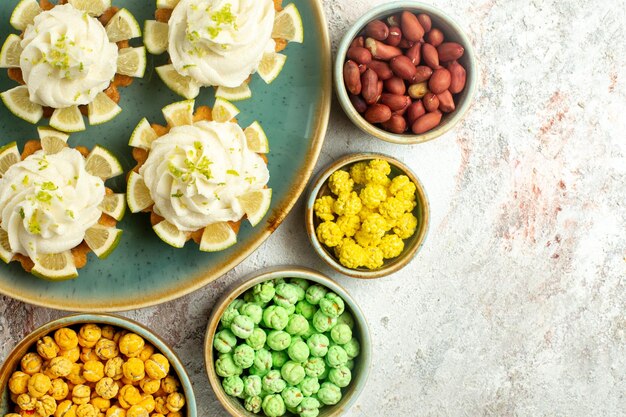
[350,364]
[224,341]
[310,332]
[292,396]
[306,309]
[254,311]
[336,356]
[329,393]
[300,282]
[233,386]
[309,386]
[278,340]
[279,358]
[352,348]
[275,317]
[264,292]
[346,318]
[332,305]
[286,294]
[262,362]
[322,322]
[341,334]
[324,374]
[292,372]
[297,325]
[340,376]
[257,339]
[242,326]
[274,406]
[315,293]
[298,351]
[225,366]
[230,313]
[278,281]
[291,309]
[314,367]
[252,385]
[272,382]
[309,407]
[318,345]
[253,404]
[243,356]
[248,297]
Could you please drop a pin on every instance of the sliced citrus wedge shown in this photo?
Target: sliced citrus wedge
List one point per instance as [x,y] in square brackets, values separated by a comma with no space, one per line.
[102,240]
[18,102]
[137,194]
[166,4]
[122,26]
[69,119]
[256,138]
[102,109]
[11,51]
[224,111]
[242,92]
[143,135]
[55,266]
[256,204]
[6,254]
[9,155]
[114,205]
[288,25]
[180,113]
[92,7]
[155,36]
[102,163]
[169,234]
[52,141]
[132,62]
[217,237]
[180,84]
[24,14]
[271,65]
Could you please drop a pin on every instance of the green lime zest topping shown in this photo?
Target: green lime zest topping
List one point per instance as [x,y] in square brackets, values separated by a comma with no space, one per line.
[25,180]
[232,172]
[43,163]
[33,224]
[21,212]
[49,186]
[178,194]
[222,17]
[70,213]
[44,196]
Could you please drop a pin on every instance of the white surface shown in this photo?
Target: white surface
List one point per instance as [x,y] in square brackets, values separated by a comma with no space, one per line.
[516,306]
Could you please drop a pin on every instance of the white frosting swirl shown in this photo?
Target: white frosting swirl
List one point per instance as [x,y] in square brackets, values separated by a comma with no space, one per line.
[220,42]
[196,172]
[47,202]
[67,58]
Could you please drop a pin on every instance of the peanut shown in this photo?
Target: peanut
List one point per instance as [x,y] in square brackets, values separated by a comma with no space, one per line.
[352,77]
[380,50]
[359,55]
[430,55]
[411,27]
[382,69]
[396,124]
[377,113]
[431,102]
[426,122]
[450,51]
[446,102]
[425,21]
[439,81]
[395,36]
[457,77]
[369,86]
[435,37]
[377,29]
[395,85]
[403,67]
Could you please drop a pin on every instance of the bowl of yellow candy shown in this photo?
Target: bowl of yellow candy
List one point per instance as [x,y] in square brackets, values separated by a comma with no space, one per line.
[367,215]
[94,365]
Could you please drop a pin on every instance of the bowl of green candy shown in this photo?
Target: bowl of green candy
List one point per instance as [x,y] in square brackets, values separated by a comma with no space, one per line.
[287,342]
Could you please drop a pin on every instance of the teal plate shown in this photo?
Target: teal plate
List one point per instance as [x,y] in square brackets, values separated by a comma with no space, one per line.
[144,271]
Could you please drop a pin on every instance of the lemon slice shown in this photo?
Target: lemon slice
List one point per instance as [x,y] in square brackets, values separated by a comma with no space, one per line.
[180,84]
[11,51]
[256,204]
[55,266]
[137,194]
[102,109]
[256,138]
[217,237]
[169,234]
[114,205]
[18,102]
[68,119]
[24,14]
[52,141]
[242,92]
[102,163]
[6,254]
[271,65]
[9,155]
[122,26]
[143,135]
[224,111]
[102,240]
[180,113]
[155,36]
[288,25]
[92,7]
[132,62]
[166,4]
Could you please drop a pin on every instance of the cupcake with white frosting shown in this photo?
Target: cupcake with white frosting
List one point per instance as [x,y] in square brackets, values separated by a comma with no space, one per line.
[221,43]
[70,60]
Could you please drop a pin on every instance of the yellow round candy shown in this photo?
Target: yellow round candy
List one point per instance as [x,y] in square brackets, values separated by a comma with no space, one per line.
[46,406]
[66,338]
[86,410]
[89,334]
[137,411]
[157,367]
[106,349]
[131,345]
[146,352]
[128,396]
[107,388]
[323,208]
[169,384]
[113,368]
[147,402]
[134,369]
[59,389]
[149,385]
[175,401]
[81,394]
[76,374]
[60,366]
[18,383]
[174,414]
[73,354]
[108,332]
[88,354]
[160,405]
[65,409]
[47,348]
[31,363]
[101,404]
[26,402]
[93,371]
[39,385]
[116,411]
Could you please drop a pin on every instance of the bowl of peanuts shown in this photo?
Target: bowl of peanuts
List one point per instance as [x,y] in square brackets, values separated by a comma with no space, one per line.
[94,365]
[405,72]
